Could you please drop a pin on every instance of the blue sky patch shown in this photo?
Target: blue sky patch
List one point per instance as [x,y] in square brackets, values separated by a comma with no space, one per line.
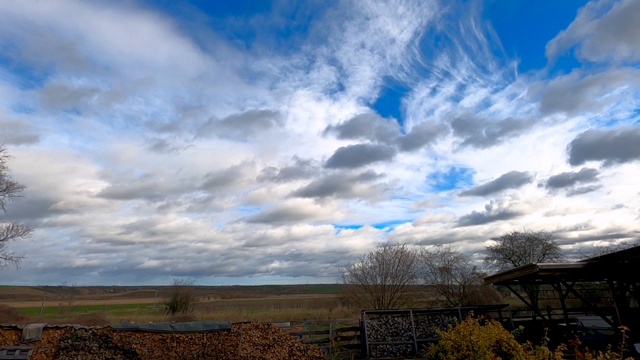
[391,224]
[389,104]
[339,228]
[512,20]
[454,178]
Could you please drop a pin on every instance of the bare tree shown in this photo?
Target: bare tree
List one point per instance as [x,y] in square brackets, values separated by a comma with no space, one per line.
[515,249]
[182,299]
[454,278]
[9,231]
[518,248]
[382,278]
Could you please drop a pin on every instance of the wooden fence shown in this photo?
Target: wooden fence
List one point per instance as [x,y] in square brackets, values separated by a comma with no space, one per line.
[340,339]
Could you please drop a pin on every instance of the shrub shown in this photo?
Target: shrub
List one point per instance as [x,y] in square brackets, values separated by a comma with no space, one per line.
[471,340]
[182,300]
[474,340]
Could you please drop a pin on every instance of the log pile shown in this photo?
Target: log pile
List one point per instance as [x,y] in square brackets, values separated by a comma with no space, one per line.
[390,328]
[427,324]
[391,351]
[88,344]
[242,342]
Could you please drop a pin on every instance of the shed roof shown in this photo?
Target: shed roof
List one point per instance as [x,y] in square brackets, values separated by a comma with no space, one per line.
[619,265]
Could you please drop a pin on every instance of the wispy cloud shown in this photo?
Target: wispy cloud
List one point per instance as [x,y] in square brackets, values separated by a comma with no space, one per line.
[151,133]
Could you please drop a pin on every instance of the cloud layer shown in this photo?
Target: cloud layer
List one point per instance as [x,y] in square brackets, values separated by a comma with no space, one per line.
[277,145]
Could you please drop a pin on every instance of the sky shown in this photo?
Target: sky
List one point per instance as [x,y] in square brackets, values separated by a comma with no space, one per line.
[274,142]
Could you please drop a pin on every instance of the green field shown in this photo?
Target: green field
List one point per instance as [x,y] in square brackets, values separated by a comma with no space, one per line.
[111,304]
[55,311]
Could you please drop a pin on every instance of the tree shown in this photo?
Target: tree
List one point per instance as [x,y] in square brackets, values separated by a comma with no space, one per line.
[382,278]
[454,277]
[515,249]
[9,231]
[182,299]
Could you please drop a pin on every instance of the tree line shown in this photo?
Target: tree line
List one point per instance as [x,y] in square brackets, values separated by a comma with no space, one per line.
[396,275]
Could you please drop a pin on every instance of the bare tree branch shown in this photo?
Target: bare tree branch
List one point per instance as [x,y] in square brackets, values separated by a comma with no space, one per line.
[381,278]
[454,278]
[517,248]
[11,231]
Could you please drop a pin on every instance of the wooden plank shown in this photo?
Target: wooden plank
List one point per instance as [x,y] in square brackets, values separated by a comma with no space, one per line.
[305,333]
[317,341]
[347,329]
[346,337]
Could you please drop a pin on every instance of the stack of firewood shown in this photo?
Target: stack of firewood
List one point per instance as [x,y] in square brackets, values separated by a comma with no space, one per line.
[242,342]
[428,324]
[390,329]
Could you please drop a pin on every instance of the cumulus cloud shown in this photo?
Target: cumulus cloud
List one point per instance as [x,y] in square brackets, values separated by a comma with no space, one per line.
[421,135]
[510,180]
[218,146]
[367,126]
[16,132]
[387,131]
[355,156]
[219,181]
[581,92]
[344,185]
[293,211]
[614,146]
[583,190]
[482,133]
[297,170]
[65,97]
[569,179]
[602,31]
[493,212]
[243,125]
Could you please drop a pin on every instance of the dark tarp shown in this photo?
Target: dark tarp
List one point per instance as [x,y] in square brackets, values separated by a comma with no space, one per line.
[167,327]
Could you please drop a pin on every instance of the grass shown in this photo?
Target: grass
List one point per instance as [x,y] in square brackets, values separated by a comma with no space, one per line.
[294,309]
[53,311]
[77,314]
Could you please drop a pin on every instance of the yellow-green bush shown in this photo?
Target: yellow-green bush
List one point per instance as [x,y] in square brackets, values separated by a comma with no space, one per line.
[473,340]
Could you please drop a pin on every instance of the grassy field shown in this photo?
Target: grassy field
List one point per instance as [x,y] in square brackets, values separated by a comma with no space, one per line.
[103,305]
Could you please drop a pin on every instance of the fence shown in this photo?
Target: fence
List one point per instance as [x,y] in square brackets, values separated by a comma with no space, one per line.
[340,339]
[406,333]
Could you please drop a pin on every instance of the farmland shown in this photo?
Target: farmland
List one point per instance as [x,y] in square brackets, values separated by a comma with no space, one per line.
[114,304]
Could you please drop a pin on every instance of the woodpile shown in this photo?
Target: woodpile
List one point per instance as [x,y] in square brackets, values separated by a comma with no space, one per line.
[242,342]
[387,329]
[428,324]
[394,351]
[88,344]
[392,335]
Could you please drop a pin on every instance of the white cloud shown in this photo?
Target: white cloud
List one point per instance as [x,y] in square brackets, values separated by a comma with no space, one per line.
[142,144]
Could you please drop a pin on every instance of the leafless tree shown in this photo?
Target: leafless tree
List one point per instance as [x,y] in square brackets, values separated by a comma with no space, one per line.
[182,299]
[9,231]
[454,278]
[382,279]
[519,248]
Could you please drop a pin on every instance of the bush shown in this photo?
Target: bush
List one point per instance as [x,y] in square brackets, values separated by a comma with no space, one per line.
[473,340]
[182,300]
